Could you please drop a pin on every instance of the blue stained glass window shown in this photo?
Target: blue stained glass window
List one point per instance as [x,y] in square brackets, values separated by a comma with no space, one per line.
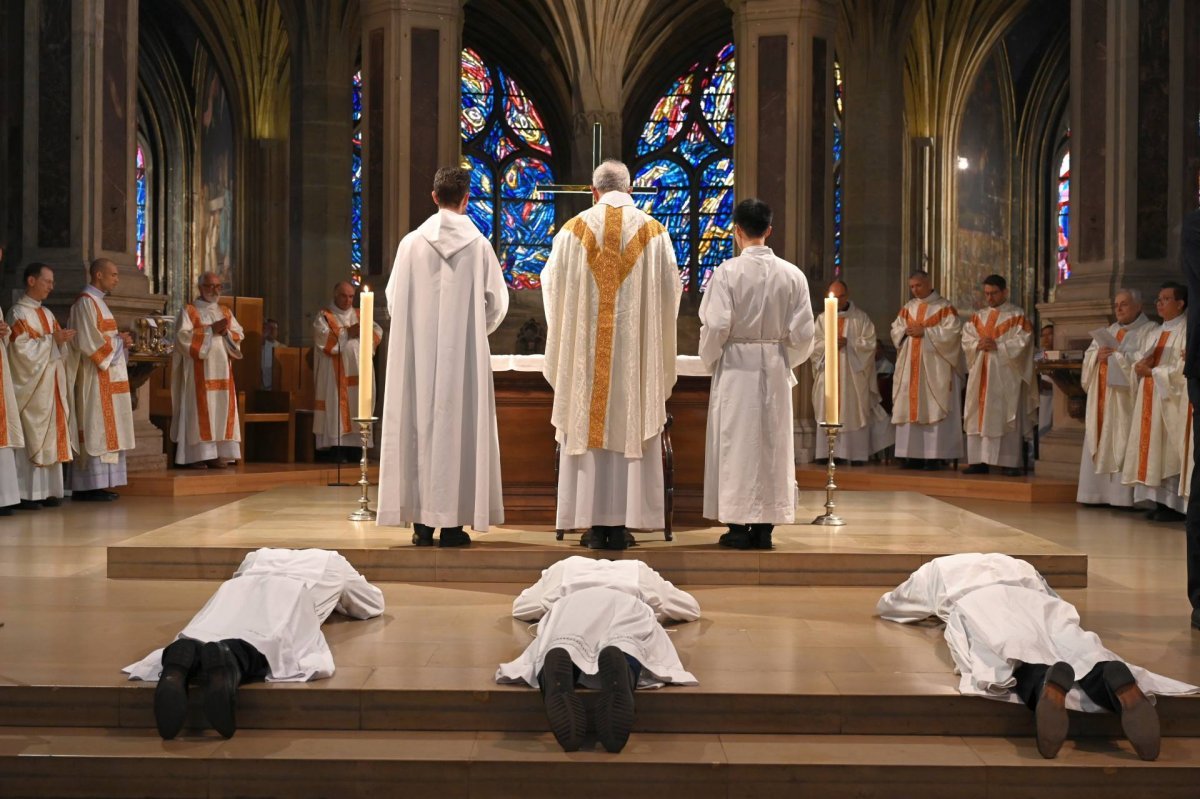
[506,147]
[686,152]
[139,177]
[838,147]
[356,184]
[1064,216]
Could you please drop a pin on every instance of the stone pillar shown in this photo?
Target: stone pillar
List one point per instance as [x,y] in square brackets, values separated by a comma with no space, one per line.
[1131,128]
[783,150]
[80,139]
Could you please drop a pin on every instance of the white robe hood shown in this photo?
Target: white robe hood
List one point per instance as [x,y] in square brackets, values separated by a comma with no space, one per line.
[448,233]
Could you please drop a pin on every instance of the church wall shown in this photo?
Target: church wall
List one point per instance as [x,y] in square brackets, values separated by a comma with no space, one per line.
[12,54]
[213,205]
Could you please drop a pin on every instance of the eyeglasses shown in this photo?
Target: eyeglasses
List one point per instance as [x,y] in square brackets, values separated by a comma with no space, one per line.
[210,285]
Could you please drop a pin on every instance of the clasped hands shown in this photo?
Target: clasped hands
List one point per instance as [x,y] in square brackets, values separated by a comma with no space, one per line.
[220,326]
[914,330]
[1144,367]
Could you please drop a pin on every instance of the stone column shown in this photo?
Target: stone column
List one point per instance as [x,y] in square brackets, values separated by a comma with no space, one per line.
[1131,128]
[80,139]
[783,150]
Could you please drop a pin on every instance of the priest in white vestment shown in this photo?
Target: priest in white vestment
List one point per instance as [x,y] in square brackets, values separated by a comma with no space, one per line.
[335,367]
[102,407]
[12,437]
[264,623]
[611,290]
[1152,452]
[440,452]
[600,625]
[204,422]
[37,352]
[756,326]
[1108,378]
[1002,397]
[927,387]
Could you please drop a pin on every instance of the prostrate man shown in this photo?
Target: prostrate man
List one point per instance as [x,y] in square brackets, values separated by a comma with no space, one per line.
[1109,380]
[756,327]
[601,625]
[926,391]
[611,289]
[102,407]
[440,457]
[335,335]
[1001,395]
[37,353]
[204,423]
[1152,450]
[265,623]
[12,437]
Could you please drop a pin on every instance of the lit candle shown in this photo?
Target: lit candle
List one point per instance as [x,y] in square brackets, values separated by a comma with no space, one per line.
[831,361]
[366,342]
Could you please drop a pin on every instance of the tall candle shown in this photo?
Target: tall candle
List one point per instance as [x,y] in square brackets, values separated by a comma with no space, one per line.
[831,361]
[366,343]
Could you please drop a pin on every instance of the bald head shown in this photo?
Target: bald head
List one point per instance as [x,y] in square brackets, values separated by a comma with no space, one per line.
[343,295]
[838,288]
[103,275]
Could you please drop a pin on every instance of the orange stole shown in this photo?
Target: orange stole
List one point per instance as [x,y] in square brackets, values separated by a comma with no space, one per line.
[914,381]
[1148,408]
[108,387]
[202,383]
[1102,385]
[62,439]
[339,370]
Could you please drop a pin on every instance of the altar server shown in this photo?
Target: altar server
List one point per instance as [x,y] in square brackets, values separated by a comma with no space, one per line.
[264,623]
[335,367]
[600,624]
[756,327]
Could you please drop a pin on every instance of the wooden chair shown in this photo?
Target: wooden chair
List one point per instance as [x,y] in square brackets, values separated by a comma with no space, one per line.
[273,417]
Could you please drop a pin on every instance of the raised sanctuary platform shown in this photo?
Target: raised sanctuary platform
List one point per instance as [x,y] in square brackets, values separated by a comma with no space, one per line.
[240,478]
[945,483]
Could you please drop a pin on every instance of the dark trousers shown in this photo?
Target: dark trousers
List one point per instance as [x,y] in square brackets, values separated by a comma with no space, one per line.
[1193,507]
[635,666]
[185,653]
[1030,677]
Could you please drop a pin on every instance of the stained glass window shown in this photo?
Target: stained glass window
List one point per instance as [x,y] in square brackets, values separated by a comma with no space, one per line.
[1064,217]
[686,152]
[139,177]
[356,186]
[507,150]
[839,144]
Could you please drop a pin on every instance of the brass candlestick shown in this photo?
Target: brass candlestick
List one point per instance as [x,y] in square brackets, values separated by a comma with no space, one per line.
[830,518]
[364,512]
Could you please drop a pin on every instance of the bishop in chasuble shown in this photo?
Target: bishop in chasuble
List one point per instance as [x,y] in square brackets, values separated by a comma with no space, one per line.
[37,351]
[439,462]
[1152,453]
[1002,396]
[102,409]
[611,290]
[1108,378]
[927,389]
[756,327]
[335,364]
[204,421]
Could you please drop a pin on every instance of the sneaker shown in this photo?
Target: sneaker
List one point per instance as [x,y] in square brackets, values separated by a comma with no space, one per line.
[614,709]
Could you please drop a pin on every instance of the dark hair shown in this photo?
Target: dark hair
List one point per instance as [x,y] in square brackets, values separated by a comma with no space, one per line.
[34,270]
[450,185]
[753,216]
[96,266]
[997,281]
[1179,289]
[921,273]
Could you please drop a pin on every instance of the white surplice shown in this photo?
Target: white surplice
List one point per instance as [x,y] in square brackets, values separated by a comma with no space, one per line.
[586,605]
[335,376]
[926,389]
[12,437]
[994,629]
[611,292]
[933,589]
[756,327]
[41,387]
[1109,415]
[1001,406]
[101,405]
[277,601]
[866,428]
[204,422]
[440,450]
[1152,452]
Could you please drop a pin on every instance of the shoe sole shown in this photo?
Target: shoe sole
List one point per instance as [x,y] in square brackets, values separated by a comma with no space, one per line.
[614,710]
[170,707]
[1139,719]
[1051,715]
[564,708]
[218,700]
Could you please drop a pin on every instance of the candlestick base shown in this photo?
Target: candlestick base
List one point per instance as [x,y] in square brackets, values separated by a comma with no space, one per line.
[829,518]
[364,512]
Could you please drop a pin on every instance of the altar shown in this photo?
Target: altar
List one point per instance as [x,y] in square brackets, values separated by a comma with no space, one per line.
[524,402]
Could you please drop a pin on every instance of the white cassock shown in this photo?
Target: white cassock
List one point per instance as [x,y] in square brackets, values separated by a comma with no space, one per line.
[40,379]
[611,290]
[993,630]
[1187,458]
[335,367]
[933,589]
[866,428]
[1110,390]
[1002,397]
[12,437]
[204,422]
[277,601]
[1152,452]
[927,387]
[440,452]
[101,408]
[756,326]
[586,605]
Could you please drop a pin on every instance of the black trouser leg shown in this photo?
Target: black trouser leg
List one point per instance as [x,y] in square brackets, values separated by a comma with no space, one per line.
[634,666]
[253,665]
[1029,677]
[1094,685]
[1192,524]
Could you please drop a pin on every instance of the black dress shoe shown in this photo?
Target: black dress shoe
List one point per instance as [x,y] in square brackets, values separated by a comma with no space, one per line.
[7,510]
[1011,471]
[932,465]
[858,463]
[111,496]
[94,495]
[1165,514]
[1139,719]
[614,710]
[913,463]
[738,537]
[222,675]
[422,535]
[453,537]
[51,502]
[179,662]
[976,468]
[564,708]
[595,538]
[1051,712]
[618,538]
[29,504]
[760,535]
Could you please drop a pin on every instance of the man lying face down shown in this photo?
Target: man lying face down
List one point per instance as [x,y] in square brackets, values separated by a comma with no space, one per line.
[264,623]
[1012,638]
[601,626]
